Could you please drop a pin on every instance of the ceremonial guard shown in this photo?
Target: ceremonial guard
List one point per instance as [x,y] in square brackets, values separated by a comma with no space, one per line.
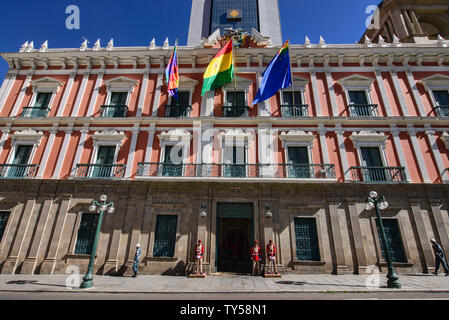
[271,257]
[199,253]
[255,256]
[439,258]
[136,260]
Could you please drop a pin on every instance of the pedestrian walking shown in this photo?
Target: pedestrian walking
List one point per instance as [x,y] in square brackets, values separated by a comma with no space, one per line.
[439,257]
[271,257]
[199,253]
[136,260]
[255,256]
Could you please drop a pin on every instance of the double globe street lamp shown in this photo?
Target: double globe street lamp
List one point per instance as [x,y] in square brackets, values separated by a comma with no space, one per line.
[379,203]
[96,206]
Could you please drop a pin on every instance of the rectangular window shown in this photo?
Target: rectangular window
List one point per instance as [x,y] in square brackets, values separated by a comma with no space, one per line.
[235,161]
[183,99]
[394,240]
[249,15]
[105,158]
[172,166]
[306,239]
[21,158]
[118,98]
[86,233]
[235,99]
[298,162]
[4,217]
[287,97]
[358,97]
[372,159]
[165,237]
[441,97]
[43,100]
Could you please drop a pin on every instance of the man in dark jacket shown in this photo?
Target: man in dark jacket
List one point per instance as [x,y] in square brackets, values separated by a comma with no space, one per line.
[136,260]
[439,257]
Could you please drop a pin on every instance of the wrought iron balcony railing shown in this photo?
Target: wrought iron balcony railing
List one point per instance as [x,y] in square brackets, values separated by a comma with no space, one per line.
[294,110]
[100,171]
[442,111]
[363,110]
[18,171]
[222,170]
[34,112]
[235,111]
[177,111]
[378,174]
[114,111]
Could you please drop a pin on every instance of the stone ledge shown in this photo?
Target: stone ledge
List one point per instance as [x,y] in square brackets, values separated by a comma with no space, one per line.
[309,263]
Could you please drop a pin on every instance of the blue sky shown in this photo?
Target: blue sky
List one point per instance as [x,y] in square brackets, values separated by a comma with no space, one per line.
[136,22]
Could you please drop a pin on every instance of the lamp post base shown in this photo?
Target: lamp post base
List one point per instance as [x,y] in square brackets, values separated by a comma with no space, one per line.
[87,282]
[393,280]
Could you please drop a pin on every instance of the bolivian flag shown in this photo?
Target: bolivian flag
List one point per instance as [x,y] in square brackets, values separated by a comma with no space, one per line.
[220,70]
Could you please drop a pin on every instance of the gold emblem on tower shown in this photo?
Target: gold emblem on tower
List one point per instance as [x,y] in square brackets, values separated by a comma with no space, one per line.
[234,13]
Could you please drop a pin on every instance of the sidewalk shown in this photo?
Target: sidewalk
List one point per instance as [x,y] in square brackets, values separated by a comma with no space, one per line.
[289,283]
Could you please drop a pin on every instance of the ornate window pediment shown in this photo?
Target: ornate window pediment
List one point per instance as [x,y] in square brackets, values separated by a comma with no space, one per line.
[109,137]
[232,136]
[241,84]
[356,82]
[299,84]
[121,84]
[28,136]
[437,81]
[297,138]
[369,138]
[46,84]
[175,135]
[186,83]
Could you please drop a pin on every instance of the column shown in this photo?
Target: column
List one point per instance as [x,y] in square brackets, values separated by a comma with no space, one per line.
[323,143]
[49,263]
[6,87]
[93,100]
[415,92]
[12,261]
[62,154]
[143,93]
[342,150]
[19,100]
[399,94]
[264,107]
[207,104]
[442,230]
[418,154]
[157,94]
[383,93]
[29,265]
[80,148]
[65,97]
[316,97]
[132,151]
[360,254]
[340,266]
[333,99]
[5,136]
[48,149]
[398,146]
[81,92]
[436,153]
[423,241]
[149,149]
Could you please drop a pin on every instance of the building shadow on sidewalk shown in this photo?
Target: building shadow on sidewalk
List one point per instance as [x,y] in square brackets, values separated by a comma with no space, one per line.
[301,283]
[34,282]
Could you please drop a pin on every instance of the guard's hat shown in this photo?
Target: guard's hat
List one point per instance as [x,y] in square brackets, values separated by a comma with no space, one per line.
[256,241]
[137,245]
[199,241]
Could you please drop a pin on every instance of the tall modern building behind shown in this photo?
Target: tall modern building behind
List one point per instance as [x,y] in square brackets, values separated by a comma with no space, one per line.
[209,15]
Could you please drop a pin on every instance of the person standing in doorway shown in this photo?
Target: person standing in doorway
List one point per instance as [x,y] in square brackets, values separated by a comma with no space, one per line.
[136,260]
[199,253]
[255,256]
[439,257]
[271,257]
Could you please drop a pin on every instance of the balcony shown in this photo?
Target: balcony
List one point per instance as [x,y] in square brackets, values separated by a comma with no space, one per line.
[223,171]
[18,171]
[363,110]
[180,111]
[34,112]
[100,171]
[113,111]
[235,111]
[378,174]
[294,110]
[442,111]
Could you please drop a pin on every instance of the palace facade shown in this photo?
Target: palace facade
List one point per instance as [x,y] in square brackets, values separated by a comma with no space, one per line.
[78,123]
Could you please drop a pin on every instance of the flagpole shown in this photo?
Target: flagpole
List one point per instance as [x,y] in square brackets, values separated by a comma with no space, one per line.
[235,72]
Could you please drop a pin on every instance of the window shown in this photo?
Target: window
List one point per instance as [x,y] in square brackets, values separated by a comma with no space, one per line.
[165,238]
[394,240]
[358,97]
[180,107]
[86,233]
[298,160]
[4,217]
[293,107]
[117,106]
[235,98]
[372,159]
[43,100]
[21,158]
[235,161]
[249,15]
[287,98]
[105,158]
[172,166]
[118,98]
[442,102]
[306,239]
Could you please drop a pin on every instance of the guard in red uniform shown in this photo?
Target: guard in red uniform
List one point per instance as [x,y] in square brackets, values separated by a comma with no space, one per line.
[199,253]
[255,256]
[271,257]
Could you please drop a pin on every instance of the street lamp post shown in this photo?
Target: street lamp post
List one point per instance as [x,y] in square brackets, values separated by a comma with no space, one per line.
[99,206]
[379,203]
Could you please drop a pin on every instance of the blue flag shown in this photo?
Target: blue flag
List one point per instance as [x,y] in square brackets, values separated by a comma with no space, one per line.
[277,76]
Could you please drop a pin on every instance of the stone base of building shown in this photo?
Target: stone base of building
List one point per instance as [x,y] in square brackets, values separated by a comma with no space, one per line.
[203,276]
[272,275]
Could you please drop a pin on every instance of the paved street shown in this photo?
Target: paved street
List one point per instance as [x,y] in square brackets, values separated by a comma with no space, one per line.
[223,287]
